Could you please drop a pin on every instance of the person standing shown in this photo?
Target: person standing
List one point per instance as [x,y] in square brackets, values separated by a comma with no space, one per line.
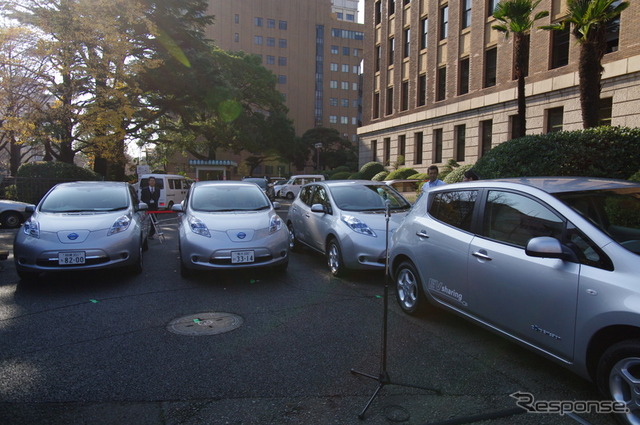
[150,196]
[434,181]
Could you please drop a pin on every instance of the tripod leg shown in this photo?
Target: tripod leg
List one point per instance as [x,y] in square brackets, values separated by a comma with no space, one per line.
[361,415]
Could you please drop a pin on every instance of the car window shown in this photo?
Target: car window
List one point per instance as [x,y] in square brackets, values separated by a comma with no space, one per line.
[367,197]
[320,197]
[454,208]
[306,194]
[515,219]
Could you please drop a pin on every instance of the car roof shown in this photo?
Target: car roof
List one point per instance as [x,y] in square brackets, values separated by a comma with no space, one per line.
[555,184]
[332,183]
[224,183]
[93,183]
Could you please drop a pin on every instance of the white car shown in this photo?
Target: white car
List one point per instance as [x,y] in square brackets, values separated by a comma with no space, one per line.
[13,213]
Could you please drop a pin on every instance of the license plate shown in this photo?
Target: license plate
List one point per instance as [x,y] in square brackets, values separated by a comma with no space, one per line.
[242,257]
[71,258]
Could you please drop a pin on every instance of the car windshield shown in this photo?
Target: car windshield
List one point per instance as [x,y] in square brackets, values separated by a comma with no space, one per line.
[367,198]
[94,198]
[260,182]
[615,212]
[228,198]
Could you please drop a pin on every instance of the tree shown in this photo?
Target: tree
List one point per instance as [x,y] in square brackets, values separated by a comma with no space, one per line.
[516,18]
[591,20]
[335,150]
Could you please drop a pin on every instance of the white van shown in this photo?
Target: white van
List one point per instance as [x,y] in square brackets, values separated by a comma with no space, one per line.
[173,188]
[291,189]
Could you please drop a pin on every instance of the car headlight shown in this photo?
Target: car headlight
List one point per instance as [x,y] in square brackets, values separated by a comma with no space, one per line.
[31,228]
[198,227]
[357,226]
[120,225]
[275,224]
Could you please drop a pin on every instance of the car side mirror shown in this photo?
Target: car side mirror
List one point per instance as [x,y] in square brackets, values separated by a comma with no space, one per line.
[548,247]
[318,208]
[30,208]
[276,205]
[177,208]
[142,206]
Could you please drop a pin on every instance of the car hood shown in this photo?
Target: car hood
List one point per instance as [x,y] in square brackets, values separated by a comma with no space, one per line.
[377,220]
[239,226]
[76,227]
[14,205]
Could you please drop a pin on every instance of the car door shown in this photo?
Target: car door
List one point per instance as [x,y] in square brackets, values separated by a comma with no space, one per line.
[320,223]
[533,299]
[441,249]
[300,211]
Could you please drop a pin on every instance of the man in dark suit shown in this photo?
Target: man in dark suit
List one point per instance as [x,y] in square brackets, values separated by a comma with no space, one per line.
[150,196]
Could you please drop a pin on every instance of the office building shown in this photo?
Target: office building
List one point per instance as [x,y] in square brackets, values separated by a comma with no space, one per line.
[439,80]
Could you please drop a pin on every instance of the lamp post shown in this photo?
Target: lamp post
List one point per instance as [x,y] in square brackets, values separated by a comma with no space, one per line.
[318,146]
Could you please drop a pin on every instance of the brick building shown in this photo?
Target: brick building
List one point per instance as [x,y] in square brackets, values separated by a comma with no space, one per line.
[438,80]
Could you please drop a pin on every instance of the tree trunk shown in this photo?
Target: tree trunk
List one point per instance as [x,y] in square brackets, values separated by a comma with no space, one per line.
[520,54]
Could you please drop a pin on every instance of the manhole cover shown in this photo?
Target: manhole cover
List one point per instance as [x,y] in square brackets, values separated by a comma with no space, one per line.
[205,324]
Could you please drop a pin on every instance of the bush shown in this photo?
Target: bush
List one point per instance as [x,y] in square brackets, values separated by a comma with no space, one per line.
[340,169]
[356,176]
[457,174]
[635,177]
[597,152]
[34,179]
[370,169]
[341,175]
[380,176]
[401,173]
[419,176]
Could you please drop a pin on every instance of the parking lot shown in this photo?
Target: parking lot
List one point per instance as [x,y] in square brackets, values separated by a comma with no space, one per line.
[102,348]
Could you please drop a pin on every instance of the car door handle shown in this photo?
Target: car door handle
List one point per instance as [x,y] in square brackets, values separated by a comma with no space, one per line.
[482,256]
[422,234]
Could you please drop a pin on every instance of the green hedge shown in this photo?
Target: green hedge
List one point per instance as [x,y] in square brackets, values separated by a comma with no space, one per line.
[34,179]
[370,169]
[598,152]
[340,175]
[401,173]
[381,176]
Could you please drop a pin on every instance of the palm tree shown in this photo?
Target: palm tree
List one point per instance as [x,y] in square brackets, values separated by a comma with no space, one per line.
[516,18]
[590,20]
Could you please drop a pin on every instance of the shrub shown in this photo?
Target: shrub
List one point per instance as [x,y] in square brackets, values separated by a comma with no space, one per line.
[370,169]
[419,176]
[635,177]
[36,178]
[401,173]
[596,152]
[356,176]
[340,169]
[380,176]
[341,175]
[457,174]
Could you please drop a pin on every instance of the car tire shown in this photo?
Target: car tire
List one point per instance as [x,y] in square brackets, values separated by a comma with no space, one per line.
[185,271]
[294,245]
[334,258]
[11,219]
[617,376]
[409,289]
[290,196]
[137,267]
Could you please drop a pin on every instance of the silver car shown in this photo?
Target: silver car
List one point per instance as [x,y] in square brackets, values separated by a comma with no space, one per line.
[346,221]
[83,225]
[13,213]
[551,263]
[230,225]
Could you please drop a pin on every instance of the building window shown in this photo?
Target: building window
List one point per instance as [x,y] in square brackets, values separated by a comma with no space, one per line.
[460,135]
[345,51]
[258,22]
[437,145]
[463,75]
[444,22]
[378,57]
[376,105]
[333,84]
[389,109]
[407,43]
[612,35]
[424,27]
[344,120]
[335,50]
[490,67]
[282,79]
[486,134]
[422,90]
[333,119]
[402,148]
[491,6]
[282,43]
[356,69]
[344,103]
[441,84]
[391,50]
[271,23]
[514,123]
[345,67]
[282,61]
[554,119]
[559,48]
[354,86]
[374,150]
[271,60]
[417,149]
[340,16]
[465,10]
[333,101]
[378,12]
[356,52]
[282,25]
[606,110]
[271,42]
[387,151]
[236,18]
[257,40]
[333,67]
[344,85]
[392,7]
[404,96]
[351,17]
[236,37]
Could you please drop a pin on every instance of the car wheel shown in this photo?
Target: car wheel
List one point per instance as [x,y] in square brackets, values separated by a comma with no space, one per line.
[290,196]
[137,267]
[294,245]
[334,258]
[617,377]
[185,271]
[11,219]
[409,289]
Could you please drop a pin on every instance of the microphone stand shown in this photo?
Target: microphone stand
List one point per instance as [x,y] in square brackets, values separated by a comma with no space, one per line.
[383,377]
